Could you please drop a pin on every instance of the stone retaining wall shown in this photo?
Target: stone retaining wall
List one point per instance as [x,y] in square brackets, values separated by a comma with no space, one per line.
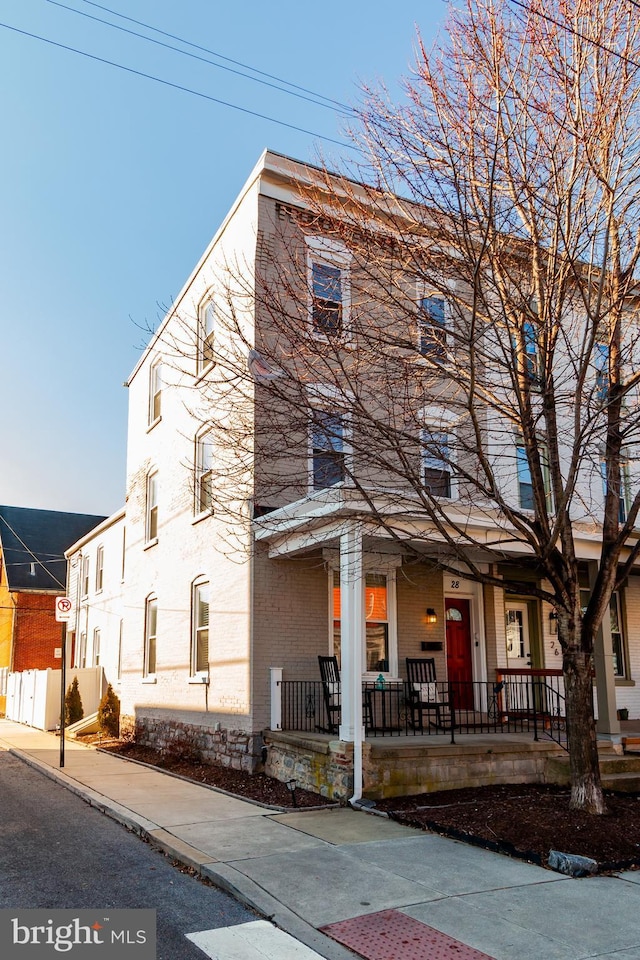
[231,748]
[399,769]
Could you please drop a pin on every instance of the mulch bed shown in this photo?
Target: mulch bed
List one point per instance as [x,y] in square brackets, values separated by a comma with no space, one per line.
[527,821]
[521,820]
[251,786]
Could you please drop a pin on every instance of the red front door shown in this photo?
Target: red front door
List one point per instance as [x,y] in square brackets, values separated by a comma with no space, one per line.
[459,666]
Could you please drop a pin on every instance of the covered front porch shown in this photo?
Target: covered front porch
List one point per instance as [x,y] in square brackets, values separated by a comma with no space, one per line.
[383,609]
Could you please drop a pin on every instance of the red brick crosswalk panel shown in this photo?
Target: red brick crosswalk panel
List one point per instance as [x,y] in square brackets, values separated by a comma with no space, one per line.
[391,935]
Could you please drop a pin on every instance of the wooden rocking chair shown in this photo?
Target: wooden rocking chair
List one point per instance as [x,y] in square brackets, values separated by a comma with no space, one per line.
[426,697]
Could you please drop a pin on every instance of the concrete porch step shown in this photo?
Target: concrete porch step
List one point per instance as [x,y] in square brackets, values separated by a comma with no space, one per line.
[617,772]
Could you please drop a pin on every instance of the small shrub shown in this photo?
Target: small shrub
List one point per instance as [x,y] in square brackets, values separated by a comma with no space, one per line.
[109,713]
[73,704]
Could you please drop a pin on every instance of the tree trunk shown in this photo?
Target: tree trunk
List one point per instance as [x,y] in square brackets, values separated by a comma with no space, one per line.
[586,789]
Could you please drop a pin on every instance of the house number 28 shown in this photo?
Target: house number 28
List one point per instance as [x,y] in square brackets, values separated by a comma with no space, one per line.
[455,585]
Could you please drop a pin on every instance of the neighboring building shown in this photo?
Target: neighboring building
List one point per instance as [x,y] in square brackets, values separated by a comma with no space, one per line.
[32,575]
[219,606]
[95,585]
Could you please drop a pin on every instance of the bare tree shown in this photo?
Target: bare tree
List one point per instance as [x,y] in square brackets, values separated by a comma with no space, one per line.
[464,359]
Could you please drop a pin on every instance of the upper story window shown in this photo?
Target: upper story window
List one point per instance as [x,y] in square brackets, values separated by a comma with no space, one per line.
[200,621]
[151,517]
[327,449]
[155,392]
[327,299]
[84,588]
[625,487]
[206,335]
[329,286]
[204,474]
[99,568]
[531,358]
[436,462]
[601,363]
[150,636]
[525,481]
[432,327]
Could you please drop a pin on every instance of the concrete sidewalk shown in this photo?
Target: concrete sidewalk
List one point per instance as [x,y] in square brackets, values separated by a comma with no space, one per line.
[383,889]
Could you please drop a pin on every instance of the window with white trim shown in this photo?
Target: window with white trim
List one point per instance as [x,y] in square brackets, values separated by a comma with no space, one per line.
[206,335]
[436,462]
[96,647]
[432,326]
[99,568]
[203,480]
[601,364]
[119,666]
[327,449]
[150,636]
[84,590]
[151,517]
[625,487]
[155,392]
[329,285]
[616,622]
[200,627]
[380,650]
[82,651]
[525,481]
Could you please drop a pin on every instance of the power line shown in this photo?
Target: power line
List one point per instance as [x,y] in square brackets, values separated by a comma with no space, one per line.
[311,98]
[577,34]
[31,553]
[176,86]
[213,53]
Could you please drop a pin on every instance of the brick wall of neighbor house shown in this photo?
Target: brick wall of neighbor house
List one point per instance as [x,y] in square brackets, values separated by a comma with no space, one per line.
[36,635]
[6,628]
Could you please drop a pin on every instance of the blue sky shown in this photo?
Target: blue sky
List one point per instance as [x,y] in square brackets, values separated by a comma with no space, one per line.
[111,186]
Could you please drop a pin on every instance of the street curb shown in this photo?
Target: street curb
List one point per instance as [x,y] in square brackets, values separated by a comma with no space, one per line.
[242,888]
[251,894]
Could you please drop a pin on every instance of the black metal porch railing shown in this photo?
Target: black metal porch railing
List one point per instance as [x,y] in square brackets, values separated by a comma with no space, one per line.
[512,704]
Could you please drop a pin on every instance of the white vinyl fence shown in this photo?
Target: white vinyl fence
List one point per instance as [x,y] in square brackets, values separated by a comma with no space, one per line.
[33,696]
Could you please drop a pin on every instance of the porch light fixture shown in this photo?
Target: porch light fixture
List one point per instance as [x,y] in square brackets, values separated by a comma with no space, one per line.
[432,616]
[291,787]
[553,623]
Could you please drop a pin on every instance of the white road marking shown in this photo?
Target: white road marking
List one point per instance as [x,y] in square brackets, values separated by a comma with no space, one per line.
[257,940]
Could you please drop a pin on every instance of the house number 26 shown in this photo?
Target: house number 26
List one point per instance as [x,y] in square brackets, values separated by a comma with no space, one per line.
[455,585]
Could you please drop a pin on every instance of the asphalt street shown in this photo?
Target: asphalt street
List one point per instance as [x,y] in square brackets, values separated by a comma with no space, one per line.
[57,851]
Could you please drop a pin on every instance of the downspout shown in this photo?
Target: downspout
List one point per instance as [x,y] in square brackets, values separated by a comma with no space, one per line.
[357,762]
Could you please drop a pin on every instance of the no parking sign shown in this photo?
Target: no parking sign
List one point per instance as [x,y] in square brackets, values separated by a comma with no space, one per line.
[64,609]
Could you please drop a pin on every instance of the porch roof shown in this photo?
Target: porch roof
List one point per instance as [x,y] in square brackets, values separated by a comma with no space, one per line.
[319,519]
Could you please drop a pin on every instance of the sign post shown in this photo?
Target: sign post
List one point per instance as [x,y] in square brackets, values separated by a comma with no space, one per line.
[64,609]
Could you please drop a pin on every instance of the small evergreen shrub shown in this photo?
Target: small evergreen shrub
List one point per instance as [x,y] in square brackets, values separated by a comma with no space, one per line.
[109,713]
[73,704]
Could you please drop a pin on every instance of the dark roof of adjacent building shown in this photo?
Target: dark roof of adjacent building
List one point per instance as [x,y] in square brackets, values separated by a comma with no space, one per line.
[33,544]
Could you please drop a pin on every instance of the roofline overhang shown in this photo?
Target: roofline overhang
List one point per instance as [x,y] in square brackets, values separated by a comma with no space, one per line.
[322,516]
[96,531]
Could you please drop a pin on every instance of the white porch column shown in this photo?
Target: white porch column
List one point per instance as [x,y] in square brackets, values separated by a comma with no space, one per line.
[607,724]
[351,633]
[275,681]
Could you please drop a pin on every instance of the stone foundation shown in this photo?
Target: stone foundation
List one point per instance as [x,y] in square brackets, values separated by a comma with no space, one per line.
[401,768]
[231,748]
[325,767]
